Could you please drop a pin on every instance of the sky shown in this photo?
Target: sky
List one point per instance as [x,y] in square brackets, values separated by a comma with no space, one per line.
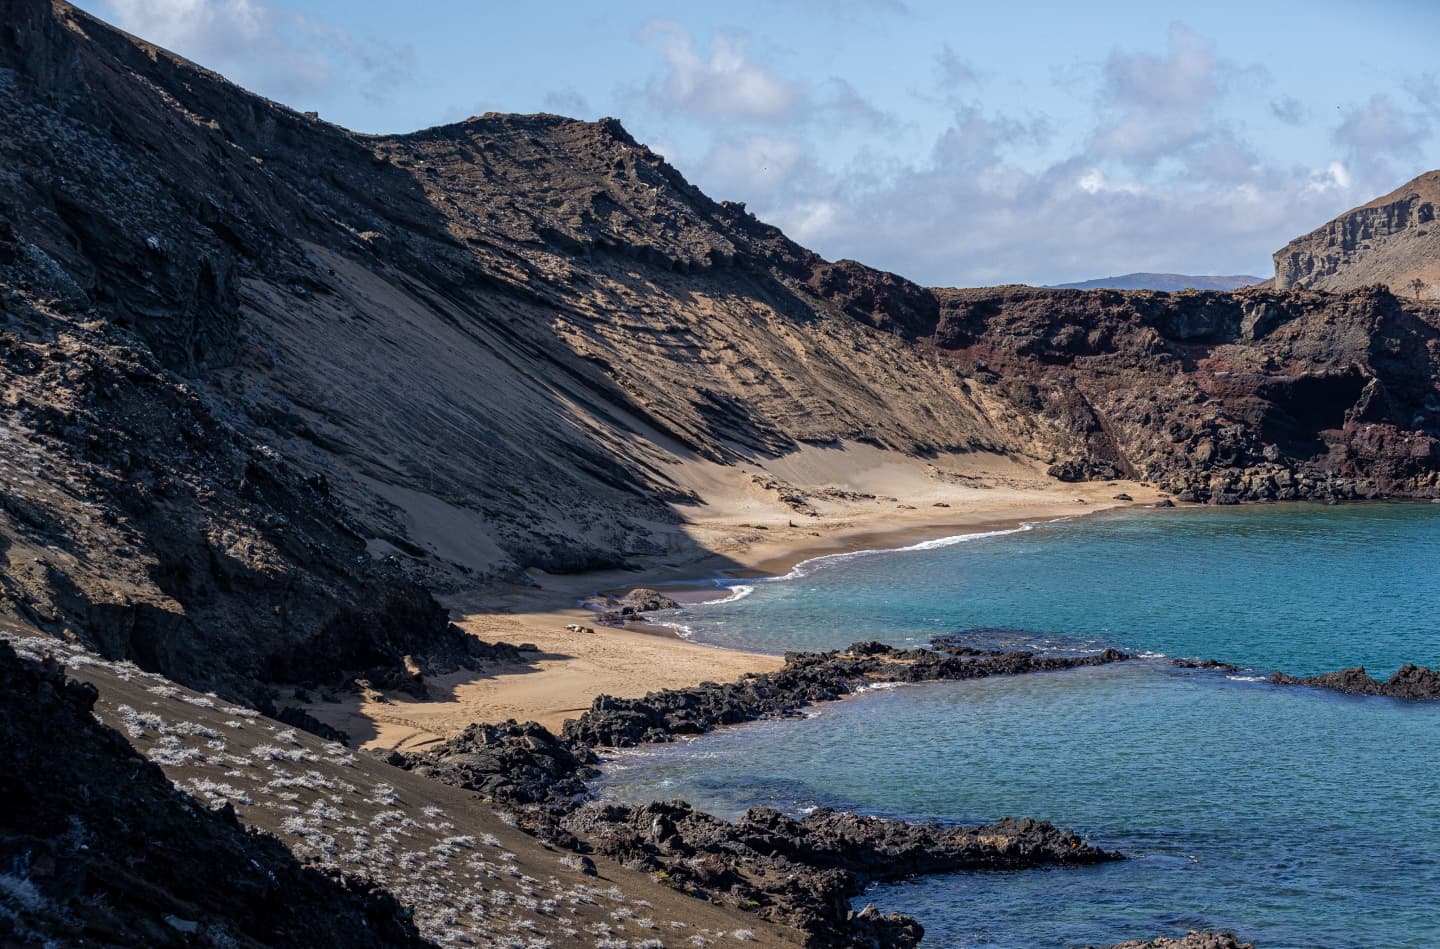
[956,143]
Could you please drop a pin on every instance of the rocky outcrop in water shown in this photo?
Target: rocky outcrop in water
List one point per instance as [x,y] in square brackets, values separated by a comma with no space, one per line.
[1417,683]
[805,872]
[1191,940]
[525,764]
[1214,664]
[99,848]
[799,872]
[805,679]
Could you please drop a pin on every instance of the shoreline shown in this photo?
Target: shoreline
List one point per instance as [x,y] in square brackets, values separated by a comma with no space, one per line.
[569,669]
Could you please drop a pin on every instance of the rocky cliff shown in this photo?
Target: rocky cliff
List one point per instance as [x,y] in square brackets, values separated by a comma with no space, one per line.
[1393,240]
[267,381]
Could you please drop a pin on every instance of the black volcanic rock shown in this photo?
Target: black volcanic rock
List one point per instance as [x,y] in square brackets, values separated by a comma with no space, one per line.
[805,679]
[799,872]
[804,872]
[1192,940]
[1416,683]
[1215,664]
[511,762]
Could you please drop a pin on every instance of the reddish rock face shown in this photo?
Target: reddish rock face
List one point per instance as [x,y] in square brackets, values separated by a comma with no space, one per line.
[1255,395]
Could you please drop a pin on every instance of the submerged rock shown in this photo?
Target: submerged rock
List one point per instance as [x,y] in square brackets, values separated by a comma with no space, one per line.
[1215,664]
[1192,940]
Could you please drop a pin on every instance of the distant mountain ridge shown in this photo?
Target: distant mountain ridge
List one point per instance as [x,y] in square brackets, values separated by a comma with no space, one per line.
[1162,281]
[1393,240]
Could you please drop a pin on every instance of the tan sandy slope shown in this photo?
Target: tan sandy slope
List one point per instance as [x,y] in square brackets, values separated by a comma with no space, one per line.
[752,531]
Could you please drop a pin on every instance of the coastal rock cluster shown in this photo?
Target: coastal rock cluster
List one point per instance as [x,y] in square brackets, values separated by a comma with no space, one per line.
[805,872]
[802,873]
[1193,940]
[1416,683]
[805,679]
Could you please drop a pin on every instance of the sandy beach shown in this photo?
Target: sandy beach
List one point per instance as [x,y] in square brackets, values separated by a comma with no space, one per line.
[839,500]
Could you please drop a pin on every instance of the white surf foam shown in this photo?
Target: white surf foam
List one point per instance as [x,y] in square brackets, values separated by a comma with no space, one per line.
[878,686]
[806,567]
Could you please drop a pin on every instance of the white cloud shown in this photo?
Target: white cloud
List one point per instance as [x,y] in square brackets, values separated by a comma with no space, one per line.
[723,83]
[1378,133]
[726,82]
[1190,77]
[756,168]
[811,220]
[1334,177]
[279,53]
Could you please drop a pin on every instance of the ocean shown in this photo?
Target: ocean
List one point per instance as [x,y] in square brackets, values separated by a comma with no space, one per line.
[1296,817]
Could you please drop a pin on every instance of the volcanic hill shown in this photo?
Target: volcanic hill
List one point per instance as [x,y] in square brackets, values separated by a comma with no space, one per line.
[268,385]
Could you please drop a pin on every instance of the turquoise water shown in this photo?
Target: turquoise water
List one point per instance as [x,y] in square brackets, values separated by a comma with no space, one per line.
[1301,588]
[1296,817]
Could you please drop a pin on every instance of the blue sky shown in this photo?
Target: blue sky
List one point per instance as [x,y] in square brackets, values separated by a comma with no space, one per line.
[961,143]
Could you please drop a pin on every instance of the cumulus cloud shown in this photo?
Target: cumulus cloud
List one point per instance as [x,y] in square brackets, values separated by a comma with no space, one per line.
[1153,108]
[1189,77]
[721,82]
[1161,180]
[280,53]
[726,82]
[839,101]
[1379,132]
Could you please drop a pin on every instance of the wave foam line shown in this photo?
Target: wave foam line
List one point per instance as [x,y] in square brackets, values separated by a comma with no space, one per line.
[806,567]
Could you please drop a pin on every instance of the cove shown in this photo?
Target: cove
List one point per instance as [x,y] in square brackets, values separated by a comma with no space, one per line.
[1296,817]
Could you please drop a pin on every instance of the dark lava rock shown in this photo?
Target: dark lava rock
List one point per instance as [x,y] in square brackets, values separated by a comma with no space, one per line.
[1204,664]
[512,763]
[1193,940]
[1418,683]
[100,848]
[643,600]
[803,873]
[1164,502]
[805,679]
